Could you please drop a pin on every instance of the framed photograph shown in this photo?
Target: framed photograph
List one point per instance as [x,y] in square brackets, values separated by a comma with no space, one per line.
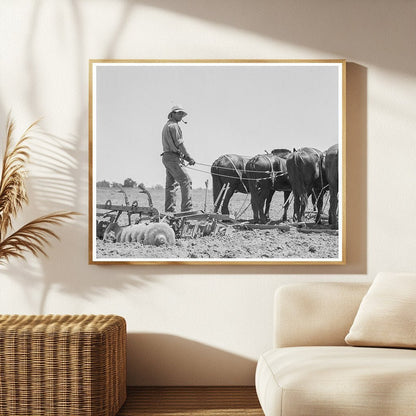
[217,162]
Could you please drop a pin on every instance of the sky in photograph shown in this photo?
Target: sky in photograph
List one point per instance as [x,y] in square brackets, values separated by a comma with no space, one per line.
[242,109]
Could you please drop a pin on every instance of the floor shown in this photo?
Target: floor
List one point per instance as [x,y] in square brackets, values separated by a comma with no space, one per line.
[187,401]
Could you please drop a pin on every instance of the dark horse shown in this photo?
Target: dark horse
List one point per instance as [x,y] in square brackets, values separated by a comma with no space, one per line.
[267,173]
[304,167]
[330,165]
[228,170]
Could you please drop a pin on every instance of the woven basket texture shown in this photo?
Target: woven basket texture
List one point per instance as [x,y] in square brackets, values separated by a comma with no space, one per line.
[72,365]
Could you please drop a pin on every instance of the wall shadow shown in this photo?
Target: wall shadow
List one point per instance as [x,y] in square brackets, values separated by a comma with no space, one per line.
[378,33]
[169,360]
[58,180]
[356,198]
[356,167]
[53,186]
[66,188]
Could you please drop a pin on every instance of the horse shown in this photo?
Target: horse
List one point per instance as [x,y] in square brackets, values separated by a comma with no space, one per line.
[267,173]
[330,165]
[304,167]
[228,170]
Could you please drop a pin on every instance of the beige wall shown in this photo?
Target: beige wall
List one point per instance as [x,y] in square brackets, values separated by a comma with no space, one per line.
[204,325]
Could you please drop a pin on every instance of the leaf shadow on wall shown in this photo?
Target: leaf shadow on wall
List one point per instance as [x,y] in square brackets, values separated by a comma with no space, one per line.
[172,360]
[382,36]
[59,180]
[63,183]
[53,185]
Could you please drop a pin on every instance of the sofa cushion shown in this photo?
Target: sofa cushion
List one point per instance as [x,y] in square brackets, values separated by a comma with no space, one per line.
[386,316]
[342,380]
[319,313]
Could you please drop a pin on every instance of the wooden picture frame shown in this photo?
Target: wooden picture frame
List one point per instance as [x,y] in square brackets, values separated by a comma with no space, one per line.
[244,108]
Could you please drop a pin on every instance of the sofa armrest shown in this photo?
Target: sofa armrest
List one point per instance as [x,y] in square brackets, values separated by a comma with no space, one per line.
[315,313]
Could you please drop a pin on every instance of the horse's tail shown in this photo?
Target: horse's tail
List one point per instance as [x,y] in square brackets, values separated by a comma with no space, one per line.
[252,175]
[322,170]
[298,182]
[217,183]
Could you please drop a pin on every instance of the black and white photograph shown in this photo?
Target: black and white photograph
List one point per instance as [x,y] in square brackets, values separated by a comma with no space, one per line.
[217,162]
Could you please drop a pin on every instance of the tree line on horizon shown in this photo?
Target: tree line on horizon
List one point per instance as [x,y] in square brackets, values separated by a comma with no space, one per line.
[128,183]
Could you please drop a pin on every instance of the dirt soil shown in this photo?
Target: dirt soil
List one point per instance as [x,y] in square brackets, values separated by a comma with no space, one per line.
[239,244]
[262,244]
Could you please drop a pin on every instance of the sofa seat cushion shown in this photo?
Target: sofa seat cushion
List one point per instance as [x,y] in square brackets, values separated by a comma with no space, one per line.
[337,381]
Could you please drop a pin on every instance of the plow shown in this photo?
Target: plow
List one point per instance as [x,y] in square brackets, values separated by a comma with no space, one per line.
[109,213]
[190,224]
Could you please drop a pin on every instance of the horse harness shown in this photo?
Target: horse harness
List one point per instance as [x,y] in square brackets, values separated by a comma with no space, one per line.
[238,171]
[272,173]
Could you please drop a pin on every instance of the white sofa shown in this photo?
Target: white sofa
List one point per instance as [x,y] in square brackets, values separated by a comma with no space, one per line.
[312,371]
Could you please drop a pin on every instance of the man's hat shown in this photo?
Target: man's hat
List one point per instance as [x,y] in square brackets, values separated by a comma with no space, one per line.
[177,109]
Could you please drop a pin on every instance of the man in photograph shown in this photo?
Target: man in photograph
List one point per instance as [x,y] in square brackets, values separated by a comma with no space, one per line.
[173,152]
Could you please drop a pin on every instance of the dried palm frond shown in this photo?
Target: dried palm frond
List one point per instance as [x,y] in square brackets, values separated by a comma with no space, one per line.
[32,237]
[13,175]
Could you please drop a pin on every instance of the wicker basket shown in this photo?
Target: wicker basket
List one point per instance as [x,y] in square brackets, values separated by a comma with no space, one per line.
[71,365]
